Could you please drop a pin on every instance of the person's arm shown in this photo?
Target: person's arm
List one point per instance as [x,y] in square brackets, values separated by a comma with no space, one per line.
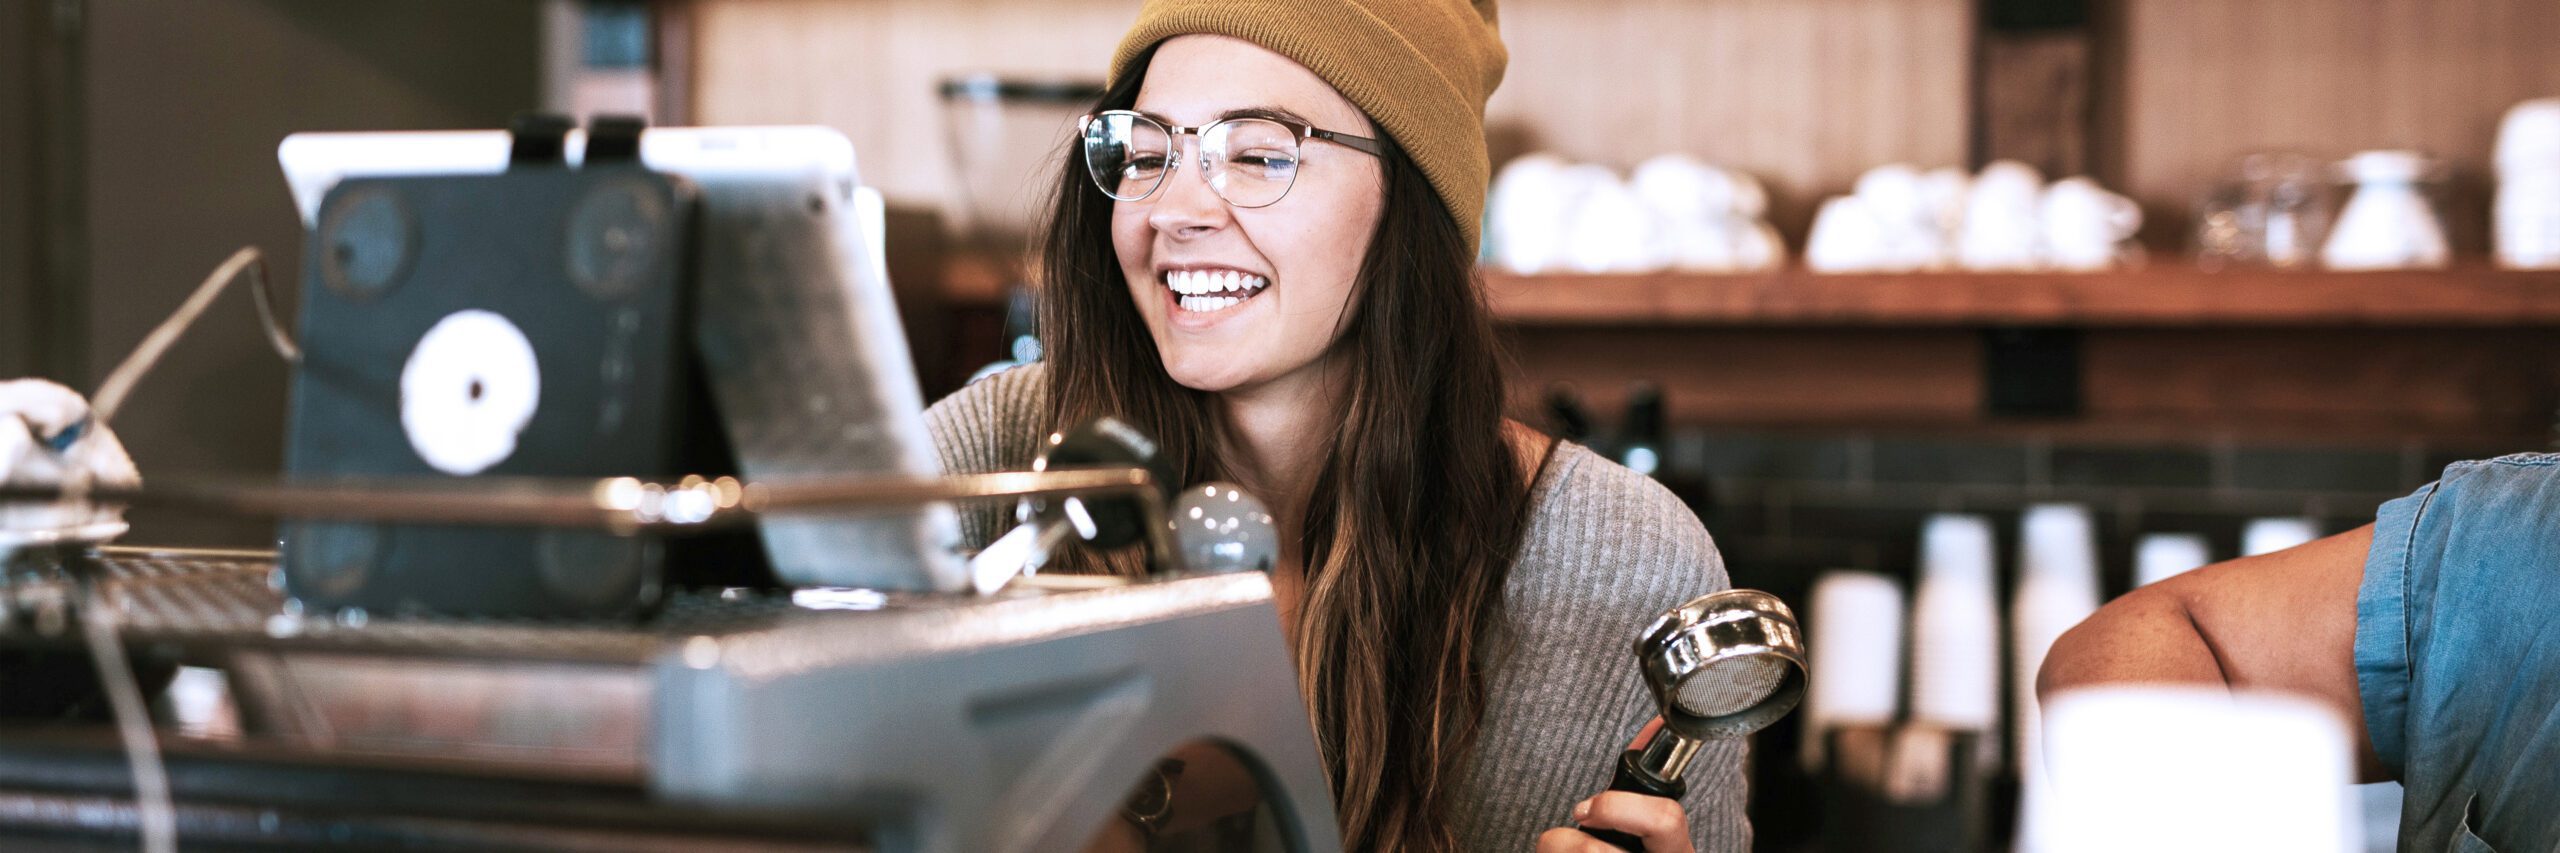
[2283,621]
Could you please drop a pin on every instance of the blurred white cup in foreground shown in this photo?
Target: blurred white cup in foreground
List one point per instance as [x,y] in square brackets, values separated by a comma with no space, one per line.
[2140,769]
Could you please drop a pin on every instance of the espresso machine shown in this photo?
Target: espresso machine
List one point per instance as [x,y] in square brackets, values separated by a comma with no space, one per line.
[569,562]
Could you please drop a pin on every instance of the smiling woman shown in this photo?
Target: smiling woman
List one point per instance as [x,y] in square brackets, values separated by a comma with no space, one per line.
[1261,253]
[1276,340]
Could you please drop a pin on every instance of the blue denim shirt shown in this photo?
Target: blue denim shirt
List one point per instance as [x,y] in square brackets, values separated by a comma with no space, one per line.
[2458,655]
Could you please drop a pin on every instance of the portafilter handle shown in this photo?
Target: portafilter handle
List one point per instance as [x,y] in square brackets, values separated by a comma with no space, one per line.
[1722,665]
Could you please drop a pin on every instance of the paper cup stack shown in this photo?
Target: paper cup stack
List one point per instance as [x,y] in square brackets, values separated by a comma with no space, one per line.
[1856,646]
[2057,587]
[1955,629]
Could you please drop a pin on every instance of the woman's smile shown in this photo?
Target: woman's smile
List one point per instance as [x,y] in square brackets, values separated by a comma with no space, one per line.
[1199,297]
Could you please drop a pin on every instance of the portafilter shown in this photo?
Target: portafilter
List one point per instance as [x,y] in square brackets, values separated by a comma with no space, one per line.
[1723,665]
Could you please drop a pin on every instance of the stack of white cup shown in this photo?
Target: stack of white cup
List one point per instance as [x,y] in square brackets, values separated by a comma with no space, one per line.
[2526,219]
[1547,214]
[1955,630]
[2057,587]
[1856,643]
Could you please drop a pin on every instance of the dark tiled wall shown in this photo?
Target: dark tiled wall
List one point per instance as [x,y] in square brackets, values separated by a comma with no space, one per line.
[1785,506]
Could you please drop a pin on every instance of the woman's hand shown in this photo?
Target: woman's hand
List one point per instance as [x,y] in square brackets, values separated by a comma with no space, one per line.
[1659,821]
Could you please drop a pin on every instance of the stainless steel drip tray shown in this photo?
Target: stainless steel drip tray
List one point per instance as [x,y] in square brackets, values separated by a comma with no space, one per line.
[541,698]
[537,698]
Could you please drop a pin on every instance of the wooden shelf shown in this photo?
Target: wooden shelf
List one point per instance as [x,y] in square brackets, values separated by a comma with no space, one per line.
[2161,294]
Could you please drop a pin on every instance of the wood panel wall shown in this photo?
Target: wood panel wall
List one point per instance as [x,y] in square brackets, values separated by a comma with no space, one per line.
[1805,94]
[2195,83]
[872,68]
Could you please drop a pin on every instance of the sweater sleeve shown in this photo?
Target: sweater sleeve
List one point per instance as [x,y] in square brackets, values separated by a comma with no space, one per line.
[1607,552]
[989,426]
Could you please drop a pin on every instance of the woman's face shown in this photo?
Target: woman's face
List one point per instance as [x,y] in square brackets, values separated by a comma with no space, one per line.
[1304,250]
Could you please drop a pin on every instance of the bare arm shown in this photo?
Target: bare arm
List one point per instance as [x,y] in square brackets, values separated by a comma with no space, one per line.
[2283,621]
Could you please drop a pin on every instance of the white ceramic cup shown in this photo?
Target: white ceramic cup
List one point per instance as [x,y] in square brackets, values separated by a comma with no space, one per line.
[1527,212]
[1682,187]
[1909,239]
[2525,220]
[2529,137]
[2388,223]
[2000,219]
[1845,237]
[1612,231]
[1757,247]
[2084,226]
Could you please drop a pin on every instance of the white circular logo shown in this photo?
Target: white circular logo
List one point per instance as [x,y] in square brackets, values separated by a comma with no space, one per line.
[468,390]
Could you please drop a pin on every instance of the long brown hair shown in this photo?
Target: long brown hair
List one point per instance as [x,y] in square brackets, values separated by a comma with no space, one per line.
[1414,520]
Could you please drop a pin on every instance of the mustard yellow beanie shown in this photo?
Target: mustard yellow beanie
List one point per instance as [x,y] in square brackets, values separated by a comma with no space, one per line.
[1420,68]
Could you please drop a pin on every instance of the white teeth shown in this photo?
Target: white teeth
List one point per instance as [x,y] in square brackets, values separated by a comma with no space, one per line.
[1199,282]
[1205,304]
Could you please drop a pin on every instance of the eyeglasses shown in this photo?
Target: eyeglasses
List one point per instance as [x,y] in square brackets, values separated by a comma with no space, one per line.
[1250,161]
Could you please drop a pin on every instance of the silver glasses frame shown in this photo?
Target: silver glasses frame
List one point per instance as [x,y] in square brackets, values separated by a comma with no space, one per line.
[1299,132]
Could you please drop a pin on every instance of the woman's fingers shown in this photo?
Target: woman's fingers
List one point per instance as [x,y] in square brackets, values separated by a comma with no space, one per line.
[1660,821]
[1569,840]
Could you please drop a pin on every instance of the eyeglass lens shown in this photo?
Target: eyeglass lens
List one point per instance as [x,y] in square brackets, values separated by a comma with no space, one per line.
[1250,162]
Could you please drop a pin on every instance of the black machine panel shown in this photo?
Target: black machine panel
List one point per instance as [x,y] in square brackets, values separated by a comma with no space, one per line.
[530,323]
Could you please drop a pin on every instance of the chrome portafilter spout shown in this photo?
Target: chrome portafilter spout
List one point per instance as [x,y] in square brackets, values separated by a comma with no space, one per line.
[1723,665]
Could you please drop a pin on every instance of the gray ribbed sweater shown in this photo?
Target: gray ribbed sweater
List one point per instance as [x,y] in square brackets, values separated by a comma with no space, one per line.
[1607,550]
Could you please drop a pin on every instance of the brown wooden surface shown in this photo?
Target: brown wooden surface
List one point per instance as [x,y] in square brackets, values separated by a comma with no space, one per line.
[1806,94]
[2199,82]
[2161,294]
[2318,383]
[2491,387]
